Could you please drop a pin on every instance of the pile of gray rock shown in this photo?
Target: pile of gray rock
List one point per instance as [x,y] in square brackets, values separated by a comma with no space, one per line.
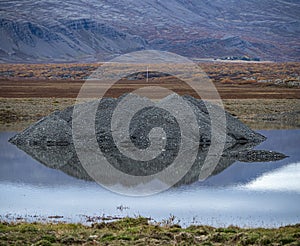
[50,140]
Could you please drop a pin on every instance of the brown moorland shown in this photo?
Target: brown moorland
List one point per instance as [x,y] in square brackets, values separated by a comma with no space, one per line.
[232,80]
[262,95]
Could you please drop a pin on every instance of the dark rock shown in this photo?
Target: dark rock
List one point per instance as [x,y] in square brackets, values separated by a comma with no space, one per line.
[50,140]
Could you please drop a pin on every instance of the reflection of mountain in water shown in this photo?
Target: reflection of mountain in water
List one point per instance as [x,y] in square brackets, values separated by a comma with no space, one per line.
[50,142]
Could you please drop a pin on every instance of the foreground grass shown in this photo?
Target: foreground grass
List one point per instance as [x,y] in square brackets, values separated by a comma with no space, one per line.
[138,231]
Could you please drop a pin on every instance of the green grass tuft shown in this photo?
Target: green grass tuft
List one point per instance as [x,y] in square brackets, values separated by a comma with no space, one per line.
[141,231]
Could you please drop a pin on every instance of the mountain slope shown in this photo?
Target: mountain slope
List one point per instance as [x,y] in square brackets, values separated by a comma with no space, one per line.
[78,30]
[73,40]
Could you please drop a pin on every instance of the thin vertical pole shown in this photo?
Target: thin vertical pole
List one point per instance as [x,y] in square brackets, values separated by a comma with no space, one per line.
[147,74]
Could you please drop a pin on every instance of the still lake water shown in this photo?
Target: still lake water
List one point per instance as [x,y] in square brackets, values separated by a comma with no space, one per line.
[244,194]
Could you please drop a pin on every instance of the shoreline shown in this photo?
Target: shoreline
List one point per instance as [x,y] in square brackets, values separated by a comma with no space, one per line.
[89,220]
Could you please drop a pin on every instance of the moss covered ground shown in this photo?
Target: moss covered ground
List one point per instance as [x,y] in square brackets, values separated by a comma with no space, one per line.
[140,231]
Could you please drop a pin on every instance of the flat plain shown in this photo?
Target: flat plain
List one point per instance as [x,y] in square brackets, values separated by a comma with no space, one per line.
[262,95]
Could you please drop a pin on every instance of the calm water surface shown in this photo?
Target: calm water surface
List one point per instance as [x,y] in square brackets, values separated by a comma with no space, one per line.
[245,194]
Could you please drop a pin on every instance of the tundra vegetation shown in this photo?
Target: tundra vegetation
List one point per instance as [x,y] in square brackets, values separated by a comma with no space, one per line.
[142,231]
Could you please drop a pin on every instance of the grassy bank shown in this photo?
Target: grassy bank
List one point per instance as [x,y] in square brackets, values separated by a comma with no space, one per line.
[138,231]
[18,113]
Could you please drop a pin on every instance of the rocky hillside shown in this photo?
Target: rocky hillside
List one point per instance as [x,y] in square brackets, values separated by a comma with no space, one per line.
[79,39]
[81,30]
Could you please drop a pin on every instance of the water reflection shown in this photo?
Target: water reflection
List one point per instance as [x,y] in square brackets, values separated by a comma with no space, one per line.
[286,178]
[234,196]
[64,158]
[19,167]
